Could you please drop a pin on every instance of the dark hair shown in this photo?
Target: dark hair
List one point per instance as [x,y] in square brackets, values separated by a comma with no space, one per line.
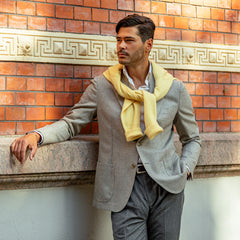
[145,25]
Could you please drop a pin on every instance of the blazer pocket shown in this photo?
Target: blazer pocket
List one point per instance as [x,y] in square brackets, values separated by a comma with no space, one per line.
[104,181]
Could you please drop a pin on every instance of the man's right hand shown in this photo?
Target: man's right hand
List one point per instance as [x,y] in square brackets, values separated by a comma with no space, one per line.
[20,145]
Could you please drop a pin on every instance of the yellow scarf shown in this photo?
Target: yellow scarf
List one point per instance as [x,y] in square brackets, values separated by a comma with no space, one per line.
[130,115]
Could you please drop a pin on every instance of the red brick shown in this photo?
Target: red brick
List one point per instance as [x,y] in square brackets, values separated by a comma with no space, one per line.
[224,26]
[7,98]
[142,6]
[35,84]
[210,25]
[46,10]
[42,124]
[54,113]
[92,3]
[63,99]
[37,23]
[209,127]
[210,77]
[108,29]
[224,102]
[188,11]
[235,126]
[74,26]
[27,69]
[25,98]
[45,99]
[55,25]
[35,113]
[211,3]
[224,77]
[203,37]
[15,113]
[2,83]
[86,83]
[7,6]
[173,34]
[236,78]
[116,16]
[174,9]
[165,21]
[216,114]
[64,12]
[196,2]
[235,27]
[64,71]
[160,33]
[82,71]
[23,127]
[26,8]
[223,126]
[3,20]
[82,13]
[94,129]
[210,102]
[96,71]
[189,36]
[7,128]
[197,101]
[217,14]
[181,22]
[154,17]
[86,129]
[100,15]
[235,4]
[2,113]
[56,1]
[181,75]
[191,88]
[126,5]
[45,70]
[54,84]
[202,89]
[231,15]
[7,68]
[17,21]
[196,24]
[231,39]
[74,2]
[182,1]
[195,76]
[203,12]
[199,123]
[16,83]
[224,3]
[73,85]
[76,98]
[230,90]
[109,4]
[158,7]
[217,38]
[235,102]
[91,27]
[216,89]
[230,114]
[202,114]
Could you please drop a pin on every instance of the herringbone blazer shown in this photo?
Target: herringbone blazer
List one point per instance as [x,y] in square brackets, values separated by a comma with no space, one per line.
[117,159]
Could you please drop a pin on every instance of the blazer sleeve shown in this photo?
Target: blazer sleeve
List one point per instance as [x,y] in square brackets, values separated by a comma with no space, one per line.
[187,129]
[70,125]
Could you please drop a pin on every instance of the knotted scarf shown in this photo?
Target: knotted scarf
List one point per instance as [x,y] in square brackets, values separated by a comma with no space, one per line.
[130,115]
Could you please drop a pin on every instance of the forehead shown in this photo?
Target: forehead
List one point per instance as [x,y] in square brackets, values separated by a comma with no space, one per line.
[128,32]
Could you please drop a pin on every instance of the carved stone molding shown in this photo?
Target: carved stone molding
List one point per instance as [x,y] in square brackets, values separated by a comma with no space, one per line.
[82,49]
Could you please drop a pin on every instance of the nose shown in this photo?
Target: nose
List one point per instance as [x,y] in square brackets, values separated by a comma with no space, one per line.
[122,44]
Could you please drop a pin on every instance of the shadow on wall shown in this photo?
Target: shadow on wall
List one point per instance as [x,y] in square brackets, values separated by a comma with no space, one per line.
[212,209]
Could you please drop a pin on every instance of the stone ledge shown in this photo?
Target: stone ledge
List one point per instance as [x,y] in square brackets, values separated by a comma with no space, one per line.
[74,162]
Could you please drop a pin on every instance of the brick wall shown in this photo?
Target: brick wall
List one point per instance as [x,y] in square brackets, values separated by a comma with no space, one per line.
[35,94]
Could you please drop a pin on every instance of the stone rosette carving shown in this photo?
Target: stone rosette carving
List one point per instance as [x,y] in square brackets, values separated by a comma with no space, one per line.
[83,49]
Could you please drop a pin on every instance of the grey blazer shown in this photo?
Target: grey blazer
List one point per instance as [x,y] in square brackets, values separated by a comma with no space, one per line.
[116,166]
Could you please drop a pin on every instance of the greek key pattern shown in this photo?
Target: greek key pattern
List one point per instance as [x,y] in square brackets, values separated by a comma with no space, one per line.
[82,49]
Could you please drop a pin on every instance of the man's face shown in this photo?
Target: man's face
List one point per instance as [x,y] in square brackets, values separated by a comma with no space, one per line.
[131,50]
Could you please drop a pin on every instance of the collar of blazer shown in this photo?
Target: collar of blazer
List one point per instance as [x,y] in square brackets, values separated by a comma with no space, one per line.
[130,115]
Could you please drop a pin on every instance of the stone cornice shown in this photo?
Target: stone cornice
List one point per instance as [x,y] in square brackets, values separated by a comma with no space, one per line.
[83,49]
[74,161]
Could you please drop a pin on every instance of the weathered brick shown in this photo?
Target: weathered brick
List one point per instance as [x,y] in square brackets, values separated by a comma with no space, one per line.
[54,84]
[23,127]
[224,102]
[202,89]
[74,26]
[35,113]
[230,90]
[26,8]
[92,3]
[210,25]
[7,98]
[181,22]
[181,75]
[224,77]
[236,78]
[173,34]
[37,23]
[142,6]
[165,21]
[2,113]
[56,1]
[7,6]
[100,15]
[235,126]
[195,76]
[197,101]
[25,98]
[209,126]
[203,37]
[235,4]
[74,2]
[46,10]
[231,15]
[15,113]
[191,88]
[223,126]
[158,7]
[64,71]
[235,27]
[45,70]
[15,21]
[216,89]
[217,13]
[196,2]
[27,69]
[125,5]
[217,38]
[216,114]
[45,99]
[224,3]
[195,24]
[2,83]
[109,4]
[174,9]
[7,68]
[82,13]
[116,16]
[73,85]
[63,99]
[224,26]
[7,128]
[189,11]
[108,29]
[91,27]
[202,114]
[230,114]
[54,113]
[210,77]
[160,33]
[16,83]
[55,25]
[82,72]
[64,12]
[203,12]
[189,36]
[211,3]
[35,84]
[210,102]
[235,102]
[3,20]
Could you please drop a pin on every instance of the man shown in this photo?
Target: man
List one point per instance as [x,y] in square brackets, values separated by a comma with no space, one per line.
[139,176]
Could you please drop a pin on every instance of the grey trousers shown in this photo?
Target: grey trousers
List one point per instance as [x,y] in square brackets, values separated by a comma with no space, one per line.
[151,213]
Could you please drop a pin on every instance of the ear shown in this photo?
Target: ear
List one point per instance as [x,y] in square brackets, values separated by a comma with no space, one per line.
[149,44]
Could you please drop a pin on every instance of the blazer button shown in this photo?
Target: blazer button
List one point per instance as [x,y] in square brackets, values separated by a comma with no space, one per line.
[133,165]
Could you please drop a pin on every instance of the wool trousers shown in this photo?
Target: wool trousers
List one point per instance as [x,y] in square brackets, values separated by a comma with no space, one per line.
[152,213]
